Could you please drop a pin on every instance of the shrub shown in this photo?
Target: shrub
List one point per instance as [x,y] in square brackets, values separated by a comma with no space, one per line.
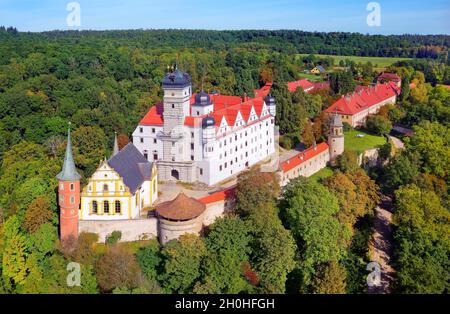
[114,237]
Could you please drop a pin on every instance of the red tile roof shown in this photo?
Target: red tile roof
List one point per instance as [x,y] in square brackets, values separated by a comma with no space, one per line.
[304,84]
[219,196]
[224,106]
[152,117]
[263,91]
[181,208]
[303,157]
[385,76]
[364,97]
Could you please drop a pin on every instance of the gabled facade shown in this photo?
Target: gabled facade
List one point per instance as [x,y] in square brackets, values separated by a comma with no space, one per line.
[121,187]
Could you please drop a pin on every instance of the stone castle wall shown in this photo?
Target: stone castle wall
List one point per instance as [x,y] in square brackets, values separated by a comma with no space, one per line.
[132,229]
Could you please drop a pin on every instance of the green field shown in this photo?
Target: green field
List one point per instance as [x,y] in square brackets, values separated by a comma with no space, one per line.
[360,144]
[322,174]
[377,62]
[310,76]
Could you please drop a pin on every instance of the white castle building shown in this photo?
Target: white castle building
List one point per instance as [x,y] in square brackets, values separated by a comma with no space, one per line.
[205,137]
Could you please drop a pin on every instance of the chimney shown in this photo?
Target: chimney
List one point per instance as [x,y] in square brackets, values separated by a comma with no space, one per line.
[244,97]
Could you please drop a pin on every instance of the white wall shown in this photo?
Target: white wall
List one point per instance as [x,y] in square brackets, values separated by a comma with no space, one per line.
[132,230]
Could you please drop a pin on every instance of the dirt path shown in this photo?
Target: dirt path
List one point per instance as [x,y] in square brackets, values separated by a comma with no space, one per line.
[381,245]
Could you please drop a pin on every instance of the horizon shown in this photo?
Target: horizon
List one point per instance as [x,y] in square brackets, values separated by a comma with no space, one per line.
[218,30]
[349,16]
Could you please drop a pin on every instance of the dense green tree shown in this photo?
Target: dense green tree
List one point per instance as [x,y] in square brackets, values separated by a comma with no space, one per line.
[227,249]
[422,241]
[379,125]
[309,211]
[182,259]
[431,142]
[149,259]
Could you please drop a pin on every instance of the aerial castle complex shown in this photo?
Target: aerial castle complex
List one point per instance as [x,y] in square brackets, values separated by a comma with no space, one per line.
[189,137]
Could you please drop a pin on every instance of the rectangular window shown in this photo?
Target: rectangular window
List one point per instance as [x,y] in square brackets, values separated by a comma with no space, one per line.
[153,130]
[72,187]
[155,141]
[146,156]
[201,171]
[192,134]
[192,157]
[142,140]
[155,156]
[141,130]
[192,146]
[106,207]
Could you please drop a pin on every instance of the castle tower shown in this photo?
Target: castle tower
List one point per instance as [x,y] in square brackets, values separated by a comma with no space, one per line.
[336,137]
[68,195]
[176,163]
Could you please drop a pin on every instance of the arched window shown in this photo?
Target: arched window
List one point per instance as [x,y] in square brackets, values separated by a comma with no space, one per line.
[118,207]
[106,207]
[105,187]
[94,207]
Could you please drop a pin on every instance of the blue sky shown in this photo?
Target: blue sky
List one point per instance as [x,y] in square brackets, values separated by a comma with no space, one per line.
[397,17]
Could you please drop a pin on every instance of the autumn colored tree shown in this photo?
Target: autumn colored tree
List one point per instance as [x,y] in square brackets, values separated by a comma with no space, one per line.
[37,214]
[122,140]
[117,268]
[330,279]
[255,188]
[308,137]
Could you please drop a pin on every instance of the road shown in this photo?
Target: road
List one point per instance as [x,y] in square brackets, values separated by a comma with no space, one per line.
[381,245]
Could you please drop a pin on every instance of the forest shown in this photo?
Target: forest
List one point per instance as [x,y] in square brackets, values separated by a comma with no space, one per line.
[105,81]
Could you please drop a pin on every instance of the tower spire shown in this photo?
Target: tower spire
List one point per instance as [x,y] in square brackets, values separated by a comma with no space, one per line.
[69,172]
[116,145]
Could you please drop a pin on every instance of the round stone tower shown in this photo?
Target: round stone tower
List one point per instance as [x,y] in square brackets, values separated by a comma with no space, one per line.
[68,195]
[336,137]
[179,216]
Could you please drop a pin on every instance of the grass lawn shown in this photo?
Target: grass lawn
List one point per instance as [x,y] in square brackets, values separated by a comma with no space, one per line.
[378,62]
[360,144]
[310,76]
[322,174]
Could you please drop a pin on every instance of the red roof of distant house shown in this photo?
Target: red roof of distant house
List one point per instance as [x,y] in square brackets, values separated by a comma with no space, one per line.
[364,97]
[320,86]
[385,76]
[219,196]
[263,91]
[303,156]
[304,84]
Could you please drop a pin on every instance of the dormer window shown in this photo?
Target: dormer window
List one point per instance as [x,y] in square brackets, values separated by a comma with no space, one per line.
[105,187]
